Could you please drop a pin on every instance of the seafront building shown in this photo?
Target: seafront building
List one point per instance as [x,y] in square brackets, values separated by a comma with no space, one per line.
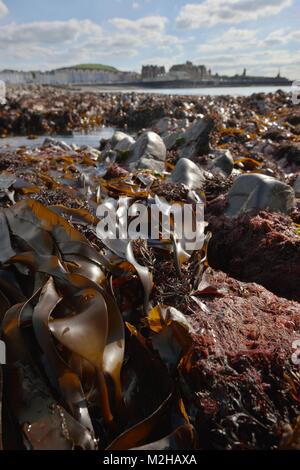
[68,76]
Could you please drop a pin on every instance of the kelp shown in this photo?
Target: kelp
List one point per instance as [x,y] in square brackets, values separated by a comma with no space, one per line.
[172,334]
[66,341]
[32,404]
[184,437]
[140,435]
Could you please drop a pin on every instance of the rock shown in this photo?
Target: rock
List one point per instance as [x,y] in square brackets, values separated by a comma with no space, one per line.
[119,146]
[150,164]
[264,248]
[125,145]
[172,139]
[121,142]
[290,151]
[75,147]
[188,173]
[49,141]
[196,129]
[149,146]
[163,125]
[297,187]
[168,125]
[117,138]
[223,164]
[293,119]
[236,365]
[253,192]
[192,142]
[6,180]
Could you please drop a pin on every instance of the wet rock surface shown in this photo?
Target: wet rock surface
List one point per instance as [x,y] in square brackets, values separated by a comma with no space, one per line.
[186,350]
[148,152]
[257,192]
[222,164]
[188,173]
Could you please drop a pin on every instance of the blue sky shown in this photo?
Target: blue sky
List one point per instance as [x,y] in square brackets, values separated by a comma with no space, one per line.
[226,35]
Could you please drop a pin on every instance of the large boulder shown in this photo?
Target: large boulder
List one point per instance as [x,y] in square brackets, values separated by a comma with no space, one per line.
[149,151]
[254,192]
[193,141]
[188,173]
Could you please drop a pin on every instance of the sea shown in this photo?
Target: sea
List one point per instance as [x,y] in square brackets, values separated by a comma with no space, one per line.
[212,91]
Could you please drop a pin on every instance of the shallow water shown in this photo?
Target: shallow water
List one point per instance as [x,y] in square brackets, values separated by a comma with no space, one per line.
[92,139]
[213,91]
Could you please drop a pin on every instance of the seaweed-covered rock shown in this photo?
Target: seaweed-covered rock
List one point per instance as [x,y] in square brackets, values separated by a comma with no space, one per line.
[264,248]
[239,373]
[252,192]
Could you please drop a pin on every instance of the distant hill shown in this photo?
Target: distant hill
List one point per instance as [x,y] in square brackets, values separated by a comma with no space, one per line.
[99,67]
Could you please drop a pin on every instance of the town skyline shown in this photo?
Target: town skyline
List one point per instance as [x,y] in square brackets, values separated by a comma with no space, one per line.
[155,70]
[151,76]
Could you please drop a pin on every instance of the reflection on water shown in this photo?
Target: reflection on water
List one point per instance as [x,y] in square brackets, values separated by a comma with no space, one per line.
[232,91]
[92,139]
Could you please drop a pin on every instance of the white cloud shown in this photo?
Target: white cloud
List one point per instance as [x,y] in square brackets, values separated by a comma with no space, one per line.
[135,5]
[244,40]
[166,60]
[48,32]
[51,44]
[3,9]
[237,48]
[257,62]
[212,12]
[147,23]
[232,39]
[282,36]
[149,31]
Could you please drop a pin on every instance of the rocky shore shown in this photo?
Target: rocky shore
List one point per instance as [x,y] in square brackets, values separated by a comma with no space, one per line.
[142,344]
